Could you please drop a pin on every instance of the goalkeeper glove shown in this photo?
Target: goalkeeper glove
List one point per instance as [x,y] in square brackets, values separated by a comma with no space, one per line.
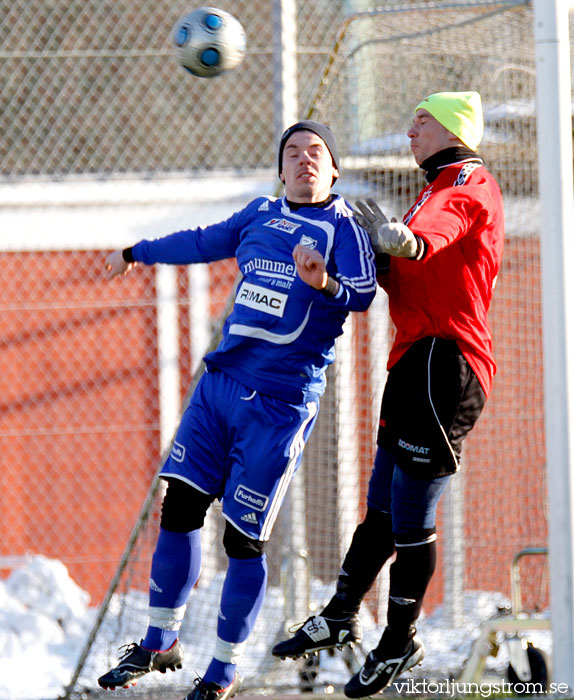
[392,237]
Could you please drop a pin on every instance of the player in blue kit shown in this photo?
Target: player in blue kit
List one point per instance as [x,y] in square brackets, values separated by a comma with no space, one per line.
[305,263]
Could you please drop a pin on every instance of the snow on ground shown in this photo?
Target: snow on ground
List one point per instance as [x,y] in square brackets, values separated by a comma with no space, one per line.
[45,619]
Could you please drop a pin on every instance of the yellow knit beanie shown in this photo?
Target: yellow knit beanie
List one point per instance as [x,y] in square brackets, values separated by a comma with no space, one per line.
[459,112]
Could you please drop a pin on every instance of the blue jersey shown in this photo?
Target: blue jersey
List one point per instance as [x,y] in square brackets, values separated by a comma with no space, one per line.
[280,336]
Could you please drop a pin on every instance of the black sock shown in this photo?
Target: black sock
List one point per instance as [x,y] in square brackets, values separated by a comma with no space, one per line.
[370,548]
[394,644]
[410,575]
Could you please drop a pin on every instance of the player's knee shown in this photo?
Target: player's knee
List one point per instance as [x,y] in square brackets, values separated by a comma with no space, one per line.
[376,524]
[415,537]
[184,507]
[375,533]
[239,546]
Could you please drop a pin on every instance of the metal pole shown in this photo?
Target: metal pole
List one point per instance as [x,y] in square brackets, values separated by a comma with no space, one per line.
[168,353]
[554,127]
[295,566]
[347,439]
[284,64]
[454,551]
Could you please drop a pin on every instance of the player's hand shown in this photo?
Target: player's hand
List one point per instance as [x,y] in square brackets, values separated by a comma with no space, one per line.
[397,239]
[392,237]
[311,266]
[371,218]
[116,265]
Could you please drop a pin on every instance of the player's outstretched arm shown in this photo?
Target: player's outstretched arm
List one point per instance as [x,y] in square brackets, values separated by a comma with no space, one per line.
[116,265]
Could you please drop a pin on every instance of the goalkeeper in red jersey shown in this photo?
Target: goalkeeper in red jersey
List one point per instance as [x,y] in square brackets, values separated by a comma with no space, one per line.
[438,267]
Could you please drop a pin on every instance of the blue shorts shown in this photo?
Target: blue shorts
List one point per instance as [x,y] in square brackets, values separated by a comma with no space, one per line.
[242,447]
[411,502]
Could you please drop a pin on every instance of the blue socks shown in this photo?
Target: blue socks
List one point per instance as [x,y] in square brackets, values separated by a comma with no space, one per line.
[174,571]
[241,599]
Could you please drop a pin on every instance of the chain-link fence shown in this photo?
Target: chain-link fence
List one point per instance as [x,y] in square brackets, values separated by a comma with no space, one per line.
[108,141]
[91,87]
[92,92]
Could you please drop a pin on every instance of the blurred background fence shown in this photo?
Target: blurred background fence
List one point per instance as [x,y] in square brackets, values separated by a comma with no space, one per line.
[106,140]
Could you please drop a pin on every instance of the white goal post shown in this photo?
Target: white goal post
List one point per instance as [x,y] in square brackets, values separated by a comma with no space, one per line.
[554,99]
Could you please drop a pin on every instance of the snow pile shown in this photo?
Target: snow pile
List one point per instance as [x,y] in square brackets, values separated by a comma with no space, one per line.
[45,619]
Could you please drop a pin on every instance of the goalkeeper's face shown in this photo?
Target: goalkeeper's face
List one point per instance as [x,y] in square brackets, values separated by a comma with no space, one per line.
[307,168]
[428,136]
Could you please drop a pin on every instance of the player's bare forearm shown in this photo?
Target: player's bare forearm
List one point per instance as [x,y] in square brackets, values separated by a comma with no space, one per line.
[311,266]
[116,265]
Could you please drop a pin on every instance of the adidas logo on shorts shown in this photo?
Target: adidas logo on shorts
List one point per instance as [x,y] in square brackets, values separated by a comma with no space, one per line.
[250,518]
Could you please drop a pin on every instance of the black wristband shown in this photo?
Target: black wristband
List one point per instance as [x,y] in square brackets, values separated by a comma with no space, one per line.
[128,255]
[331,288]
[421,249]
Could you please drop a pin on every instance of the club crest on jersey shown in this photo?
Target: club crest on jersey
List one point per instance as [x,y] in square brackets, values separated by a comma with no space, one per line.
[283,225]
[254,500]
[266,300]
[308,242]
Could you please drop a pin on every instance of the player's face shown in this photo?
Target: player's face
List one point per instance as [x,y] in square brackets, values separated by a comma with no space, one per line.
[307,169]
[428,136]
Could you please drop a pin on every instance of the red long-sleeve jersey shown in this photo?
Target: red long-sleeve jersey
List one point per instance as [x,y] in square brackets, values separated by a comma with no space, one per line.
[447,293]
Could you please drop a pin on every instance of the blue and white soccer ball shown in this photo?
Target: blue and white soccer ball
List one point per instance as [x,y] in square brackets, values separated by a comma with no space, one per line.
[209,41]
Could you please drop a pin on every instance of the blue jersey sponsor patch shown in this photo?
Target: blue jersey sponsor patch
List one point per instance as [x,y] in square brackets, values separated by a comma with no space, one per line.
[250,498]
[282,225]
[262,299]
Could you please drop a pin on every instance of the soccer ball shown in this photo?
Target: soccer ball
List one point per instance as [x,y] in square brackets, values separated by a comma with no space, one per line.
[209,41]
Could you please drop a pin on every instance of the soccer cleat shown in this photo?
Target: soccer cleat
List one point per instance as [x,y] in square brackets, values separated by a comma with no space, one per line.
[137,661]
[212,691]
[318,633]
[376,674]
